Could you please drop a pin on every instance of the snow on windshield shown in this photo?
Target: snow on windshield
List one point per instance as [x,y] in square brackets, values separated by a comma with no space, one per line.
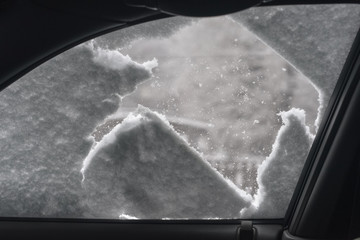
[173,119]
[279,172]
[145,169]
[45,119]
[303,34]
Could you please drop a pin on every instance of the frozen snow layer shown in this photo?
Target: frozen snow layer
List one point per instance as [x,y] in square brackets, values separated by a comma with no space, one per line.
[114,60]
[47,116]
[143,168]
[279,173]
[125,216]
[222,95]
[315,39]
[45,120]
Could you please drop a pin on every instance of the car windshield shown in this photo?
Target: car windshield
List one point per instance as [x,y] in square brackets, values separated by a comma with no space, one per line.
[179,118]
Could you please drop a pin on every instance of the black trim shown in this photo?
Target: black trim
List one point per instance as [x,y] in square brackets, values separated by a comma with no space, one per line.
[325,135]
[143,221]
[199,8]
[133,230]
[353,229]
[288,236]
[104,10]
[328,131]
[67,230]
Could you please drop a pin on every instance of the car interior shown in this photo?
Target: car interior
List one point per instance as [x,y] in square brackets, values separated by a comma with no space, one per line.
[326,201]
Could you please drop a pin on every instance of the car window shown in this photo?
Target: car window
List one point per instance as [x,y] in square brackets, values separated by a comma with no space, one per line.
[179,118]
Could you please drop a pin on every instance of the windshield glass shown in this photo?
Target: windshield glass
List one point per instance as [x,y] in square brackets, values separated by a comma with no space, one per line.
[179,118]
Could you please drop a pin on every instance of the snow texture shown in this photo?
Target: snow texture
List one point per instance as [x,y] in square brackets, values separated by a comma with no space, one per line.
[114,60]
[48,115]
[125,216]
[132,72]
[143,168]
[279,173]
[45,118]
[300,35]
[220,94]
[297,34]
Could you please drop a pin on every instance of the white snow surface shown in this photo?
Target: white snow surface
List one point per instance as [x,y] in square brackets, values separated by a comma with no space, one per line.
[143,168]
[315,39]
[279,173]
[114,60]
[45,119]
[125,216]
